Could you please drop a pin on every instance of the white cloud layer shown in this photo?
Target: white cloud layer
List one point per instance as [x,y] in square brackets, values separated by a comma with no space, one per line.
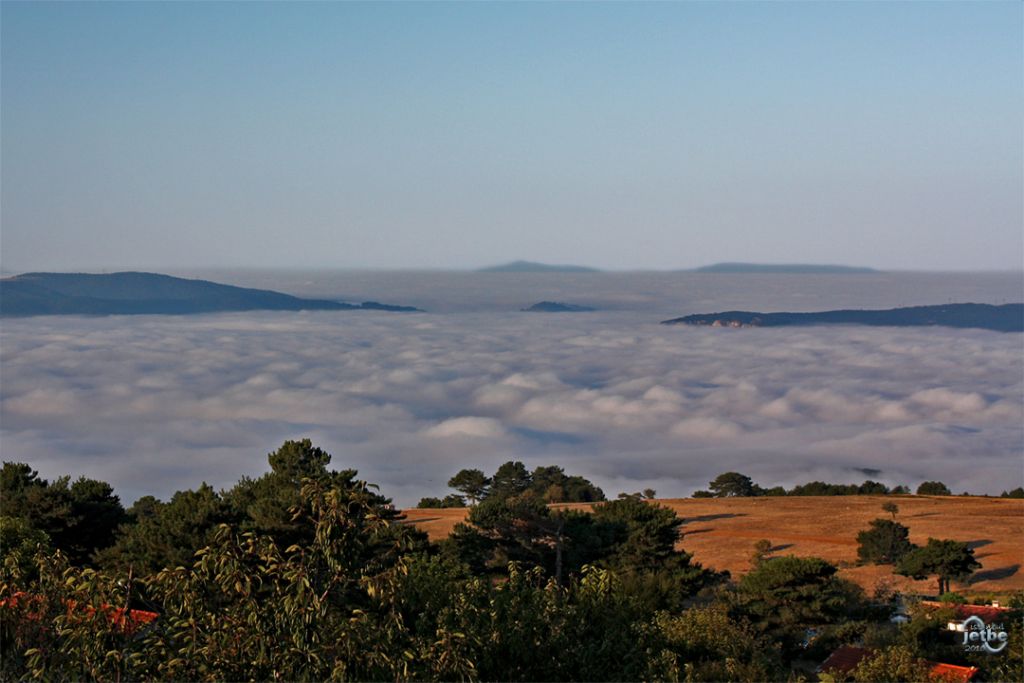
[155,404]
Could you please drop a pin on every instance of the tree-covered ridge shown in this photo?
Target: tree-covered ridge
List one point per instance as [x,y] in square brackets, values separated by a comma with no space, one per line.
[729,484]
[547,484]
[1001,318]
[308,573]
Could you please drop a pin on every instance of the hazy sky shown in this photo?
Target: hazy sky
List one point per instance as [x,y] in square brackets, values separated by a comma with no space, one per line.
[665,135]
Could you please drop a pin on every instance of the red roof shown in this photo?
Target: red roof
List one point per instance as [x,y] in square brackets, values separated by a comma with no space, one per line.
[987,613]
[127,619]
[951,673]
[845,659]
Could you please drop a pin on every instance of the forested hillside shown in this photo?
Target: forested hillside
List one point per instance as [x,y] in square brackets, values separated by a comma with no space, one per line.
[308,573]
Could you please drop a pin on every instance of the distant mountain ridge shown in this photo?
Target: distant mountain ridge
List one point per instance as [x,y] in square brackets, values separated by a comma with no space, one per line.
[135,293]
[1003,318]
[802,268]
[534,267]
[725,267]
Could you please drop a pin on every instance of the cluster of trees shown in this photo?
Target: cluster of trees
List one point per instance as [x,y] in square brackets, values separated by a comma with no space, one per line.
[78,516]
[88,524]
[546,484]
[735,484]
[888,542]
[308,573]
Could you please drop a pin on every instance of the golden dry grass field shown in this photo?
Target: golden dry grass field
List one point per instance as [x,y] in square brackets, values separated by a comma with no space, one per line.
[721,532]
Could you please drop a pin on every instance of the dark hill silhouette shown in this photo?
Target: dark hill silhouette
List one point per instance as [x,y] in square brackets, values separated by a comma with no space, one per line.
[147,293]
[557,307]
[802,268]
[1004,318]
[532,267]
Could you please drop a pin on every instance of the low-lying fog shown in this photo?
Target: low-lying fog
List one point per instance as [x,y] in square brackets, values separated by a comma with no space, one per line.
[153,404]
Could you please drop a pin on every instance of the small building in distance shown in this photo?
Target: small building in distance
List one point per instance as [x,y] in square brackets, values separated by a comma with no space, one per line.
[845,659]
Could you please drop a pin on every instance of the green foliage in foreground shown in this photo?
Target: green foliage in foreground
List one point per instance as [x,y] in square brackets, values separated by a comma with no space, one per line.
[247,609]
[19,543]
[308,574]
[784,596]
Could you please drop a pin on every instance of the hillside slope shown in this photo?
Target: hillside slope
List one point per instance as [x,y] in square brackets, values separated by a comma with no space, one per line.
[147,293]
[721,532]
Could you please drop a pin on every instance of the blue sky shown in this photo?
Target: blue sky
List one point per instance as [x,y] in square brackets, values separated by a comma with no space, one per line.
[178,135]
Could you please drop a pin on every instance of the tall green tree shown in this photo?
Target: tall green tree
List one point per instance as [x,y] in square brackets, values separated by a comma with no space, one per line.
[511,479]
[947,560]
[641,547]
[732,484]
[783,596]
[552,485]
[504,529]
[933,488]
[471,483]
[886,542]
[649,533]
[266,504]
[167,535]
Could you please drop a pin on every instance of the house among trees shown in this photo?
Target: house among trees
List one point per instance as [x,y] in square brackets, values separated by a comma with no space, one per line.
[124,619]
[988,613]
[841,663]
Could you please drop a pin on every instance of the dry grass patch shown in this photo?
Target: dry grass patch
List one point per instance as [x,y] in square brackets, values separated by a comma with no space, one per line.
[721,532]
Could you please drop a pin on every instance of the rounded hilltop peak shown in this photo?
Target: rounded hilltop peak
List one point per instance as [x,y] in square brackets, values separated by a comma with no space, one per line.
[534,267]
[557,307]
[796,268]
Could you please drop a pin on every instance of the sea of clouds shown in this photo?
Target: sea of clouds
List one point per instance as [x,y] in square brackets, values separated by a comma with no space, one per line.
[154,404]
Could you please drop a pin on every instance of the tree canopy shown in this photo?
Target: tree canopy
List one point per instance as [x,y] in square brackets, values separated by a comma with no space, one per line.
[933,488]
[947,560]
[783,596]
[886,542]
[470,483]
[732,484]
